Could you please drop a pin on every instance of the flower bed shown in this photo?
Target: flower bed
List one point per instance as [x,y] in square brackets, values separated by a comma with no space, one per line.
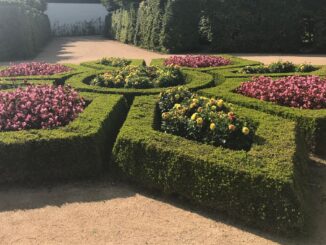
[193,80]
[115,62]
[307,92]
[33,69]
[311,122]
[197,61]
[277,67]
[110,63]
[36,107]
[261,187]
[78,150]
[205,120]
[140,77]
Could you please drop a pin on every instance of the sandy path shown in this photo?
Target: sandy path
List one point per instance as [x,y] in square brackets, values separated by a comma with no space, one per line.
[100,213]
[78,49]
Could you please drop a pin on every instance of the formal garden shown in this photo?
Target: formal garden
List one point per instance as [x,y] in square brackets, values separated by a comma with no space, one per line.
[224,133]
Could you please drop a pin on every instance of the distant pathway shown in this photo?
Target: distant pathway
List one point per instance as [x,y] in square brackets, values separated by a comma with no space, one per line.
[78,49]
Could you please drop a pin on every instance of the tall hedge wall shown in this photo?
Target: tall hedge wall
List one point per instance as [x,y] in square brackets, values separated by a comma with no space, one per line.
[224,26]
[24,28]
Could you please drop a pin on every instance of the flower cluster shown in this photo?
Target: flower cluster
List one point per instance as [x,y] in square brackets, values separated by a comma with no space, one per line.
[115,62]
[197,61]
[140,77]
[210,121]
[277,67]
[307,92]
[39,107]
[33,69]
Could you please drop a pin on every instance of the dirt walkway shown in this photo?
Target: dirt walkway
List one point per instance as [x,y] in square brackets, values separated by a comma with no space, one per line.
[78,49]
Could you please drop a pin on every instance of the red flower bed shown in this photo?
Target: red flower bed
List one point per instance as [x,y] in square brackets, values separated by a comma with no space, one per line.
[33,69]
[197,61]
[307,92]
[36,107]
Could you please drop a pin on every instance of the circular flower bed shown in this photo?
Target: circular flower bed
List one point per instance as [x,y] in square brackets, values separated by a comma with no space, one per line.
[140,77]
[115,62]
[205,120]
[36,107]
[197,61]
[307,92]
[277,67]
[33,69]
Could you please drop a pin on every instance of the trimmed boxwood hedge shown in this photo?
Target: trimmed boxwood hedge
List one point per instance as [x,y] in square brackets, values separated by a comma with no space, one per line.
[236,62]
[261,187]
[194,81]
[79,150]
[76,69]
[95,64]
[312,123]
[233,73]
[6,84]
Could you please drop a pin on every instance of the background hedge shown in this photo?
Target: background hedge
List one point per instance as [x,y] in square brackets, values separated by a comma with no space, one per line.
[24,28]
[215,25]
[262,187]
[79,150]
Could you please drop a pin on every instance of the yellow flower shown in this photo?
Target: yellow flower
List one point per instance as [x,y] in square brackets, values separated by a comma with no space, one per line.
[195,101]
[212,126]
[177,96]
[194,116]
[245,130]
[165,115]
[200,109]
[177,106]
[213,108]
[199,121]
[212,101]
[192,105]
[220,103]
[232,127]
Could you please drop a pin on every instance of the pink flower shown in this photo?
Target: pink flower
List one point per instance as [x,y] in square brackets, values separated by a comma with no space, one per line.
[36,107]
[306,92]
[197,61]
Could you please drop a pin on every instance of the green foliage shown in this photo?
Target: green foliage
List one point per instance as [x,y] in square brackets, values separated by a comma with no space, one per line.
[311,123]
[205,120]
[79,150]
[278,67]
[23,31]
[96,65]
[140,77]
[115,62]
[261,187]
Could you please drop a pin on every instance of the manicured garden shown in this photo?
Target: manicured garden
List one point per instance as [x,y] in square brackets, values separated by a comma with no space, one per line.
[236,144]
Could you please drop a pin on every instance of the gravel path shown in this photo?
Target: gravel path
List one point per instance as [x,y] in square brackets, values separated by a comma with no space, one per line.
[105,213]
[78,49]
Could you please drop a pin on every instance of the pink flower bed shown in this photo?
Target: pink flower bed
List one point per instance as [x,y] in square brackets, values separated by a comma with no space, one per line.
[39,107]
[307,92]
[197,61]
[33,69]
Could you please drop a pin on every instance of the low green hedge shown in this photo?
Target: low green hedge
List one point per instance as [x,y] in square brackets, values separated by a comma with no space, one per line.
[262,187]
[13,84]
[75,69]
[79,150]
[233,73]
[236,63]
[312,123]
[97,66]
[194,80]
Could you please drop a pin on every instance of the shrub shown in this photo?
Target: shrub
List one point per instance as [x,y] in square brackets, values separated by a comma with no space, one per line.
[302,92]
[310,123]
[36,107]
[98,66]
[261,187]
[197,61]
[115,62]
[23,30]
[6,84]
[140,77]
[79,150]
[205,120]
[33,69]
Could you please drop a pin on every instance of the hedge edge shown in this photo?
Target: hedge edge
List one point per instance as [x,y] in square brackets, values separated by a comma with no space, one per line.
[96,66]
[79,150]
[260,187]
